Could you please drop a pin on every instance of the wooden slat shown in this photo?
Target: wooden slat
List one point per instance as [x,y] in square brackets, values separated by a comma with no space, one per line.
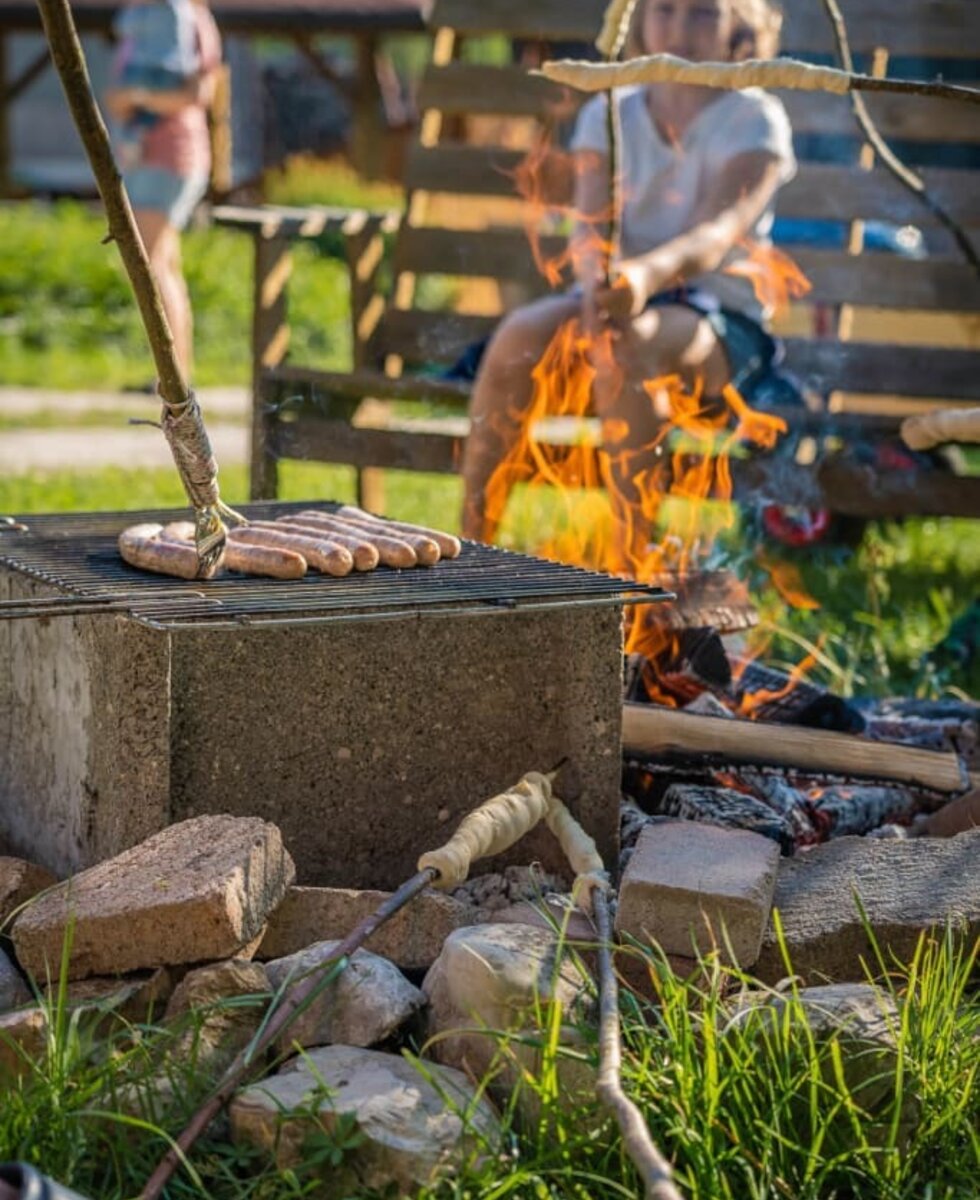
[908,118]
[271,220]
[358,384]
[925,28]
[856,490]
[338,442]
[826,365]
[419,336]
[843,487]
[885,370]
[478,89]
[887,281]
[819,190]
[872,280]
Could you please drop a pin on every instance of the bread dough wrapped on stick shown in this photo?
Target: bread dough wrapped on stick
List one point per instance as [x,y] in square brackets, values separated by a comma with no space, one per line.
[503,820]
[926,430]
[668,68]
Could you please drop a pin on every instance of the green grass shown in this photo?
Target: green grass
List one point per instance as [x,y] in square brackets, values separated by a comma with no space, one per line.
[745,1111]
[68,319]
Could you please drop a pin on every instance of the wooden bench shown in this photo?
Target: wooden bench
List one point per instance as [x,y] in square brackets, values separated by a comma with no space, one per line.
[881,335]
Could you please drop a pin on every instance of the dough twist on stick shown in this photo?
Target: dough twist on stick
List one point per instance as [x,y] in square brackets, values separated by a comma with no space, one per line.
[490,829]
[754,72]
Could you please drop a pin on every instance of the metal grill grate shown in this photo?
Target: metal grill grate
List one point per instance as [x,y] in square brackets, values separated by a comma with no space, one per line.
[77,554]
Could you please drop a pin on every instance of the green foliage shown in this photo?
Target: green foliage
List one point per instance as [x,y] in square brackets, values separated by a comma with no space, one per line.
[69,319]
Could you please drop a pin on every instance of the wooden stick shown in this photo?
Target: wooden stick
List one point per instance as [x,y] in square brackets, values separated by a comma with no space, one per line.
[652,730]
[764,73]
[654,1169]
[183,423]
[902,173]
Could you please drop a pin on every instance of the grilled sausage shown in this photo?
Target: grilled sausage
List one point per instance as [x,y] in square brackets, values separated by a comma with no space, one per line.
[320,553]
[271,561]
[142,546]
[392,551]
[426,550]
[365,553]
[449,546]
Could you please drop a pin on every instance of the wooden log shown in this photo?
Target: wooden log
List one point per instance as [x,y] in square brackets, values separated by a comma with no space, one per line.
[649,729]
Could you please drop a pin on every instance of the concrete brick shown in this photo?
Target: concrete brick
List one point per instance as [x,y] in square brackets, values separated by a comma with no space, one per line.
[200,890]
[20,881]
[690,884]
[366,743]
[412,939]
[904,886]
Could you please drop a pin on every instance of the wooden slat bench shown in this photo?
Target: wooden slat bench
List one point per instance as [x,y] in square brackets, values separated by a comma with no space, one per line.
[880,334]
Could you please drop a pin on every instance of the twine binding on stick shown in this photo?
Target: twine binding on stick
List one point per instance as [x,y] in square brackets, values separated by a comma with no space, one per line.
[183,427]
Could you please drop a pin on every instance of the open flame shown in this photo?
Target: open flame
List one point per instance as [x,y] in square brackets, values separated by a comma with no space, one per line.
[652,511]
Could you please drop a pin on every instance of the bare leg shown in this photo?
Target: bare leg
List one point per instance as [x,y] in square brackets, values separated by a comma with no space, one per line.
[162,243]
[672,340]
[501,400]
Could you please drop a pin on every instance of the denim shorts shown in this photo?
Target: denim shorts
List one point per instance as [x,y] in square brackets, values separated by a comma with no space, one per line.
[164,191]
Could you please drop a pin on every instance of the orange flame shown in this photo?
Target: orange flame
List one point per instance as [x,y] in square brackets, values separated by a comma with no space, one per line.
[775,278]
[788,582]
[642,510]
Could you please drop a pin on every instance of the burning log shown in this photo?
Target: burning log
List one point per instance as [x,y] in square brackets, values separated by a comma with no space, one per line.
[652,730]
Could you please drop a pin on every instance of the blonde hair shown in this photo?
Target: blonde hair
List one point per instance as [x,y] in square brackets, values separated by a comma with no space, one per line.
[757,26]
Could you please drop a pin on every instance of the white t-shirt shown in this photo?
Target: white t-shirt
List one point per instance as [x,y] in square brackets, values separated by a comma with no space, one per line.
[663,183]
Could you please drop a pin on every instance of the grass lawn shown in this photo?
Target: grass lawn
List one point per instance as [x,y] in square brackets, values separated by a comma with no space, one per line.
[68,319]
[745,1110]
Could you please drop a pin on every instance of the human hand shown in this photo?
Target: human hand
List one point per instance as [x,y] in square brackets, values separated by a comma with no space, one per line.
[626,297]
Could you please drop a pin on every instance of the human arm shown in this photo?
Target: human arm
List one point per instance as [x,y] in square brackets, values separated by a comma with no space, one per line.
[733,202]
[198,90]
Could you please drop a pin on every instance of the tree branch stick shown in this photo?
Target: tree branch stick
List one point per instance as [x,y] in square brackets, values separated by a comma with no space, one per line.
[654,1169]
[902,173]
[183,423]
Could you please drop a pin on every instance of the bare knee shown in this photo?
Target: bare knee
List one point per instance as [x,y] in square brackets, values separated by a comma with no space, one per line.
[674,341]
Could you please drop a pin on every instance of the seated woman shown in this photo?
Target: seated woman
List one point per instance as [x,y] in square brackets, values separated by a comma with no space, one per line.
[700,170]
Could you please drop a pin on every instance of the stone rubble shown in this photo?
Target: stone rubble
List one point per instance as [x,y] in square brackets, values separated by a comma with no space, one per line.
[905,887]
[176,920]
[199,891]
[14,992]
[412,939]
[20,881]
[414,1126]
[689,885]
[369,1001]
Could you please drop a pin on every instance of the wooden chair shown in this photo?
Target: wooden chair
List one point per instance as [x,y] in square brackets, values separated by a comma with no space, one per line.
[881,335]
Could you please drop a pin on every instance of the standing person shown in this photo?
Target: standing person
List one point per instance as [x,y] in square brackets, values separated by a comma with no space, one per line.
[164,76]
[700,169]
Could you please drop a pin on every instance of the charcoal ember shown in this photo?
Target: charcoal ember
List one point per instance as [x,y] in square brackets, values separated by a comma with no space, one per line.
[775,697]
[929,710]
[700,653]
[730,808]
[839,811]
[789,801]
[928,733]
[632,821]
[708,705]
